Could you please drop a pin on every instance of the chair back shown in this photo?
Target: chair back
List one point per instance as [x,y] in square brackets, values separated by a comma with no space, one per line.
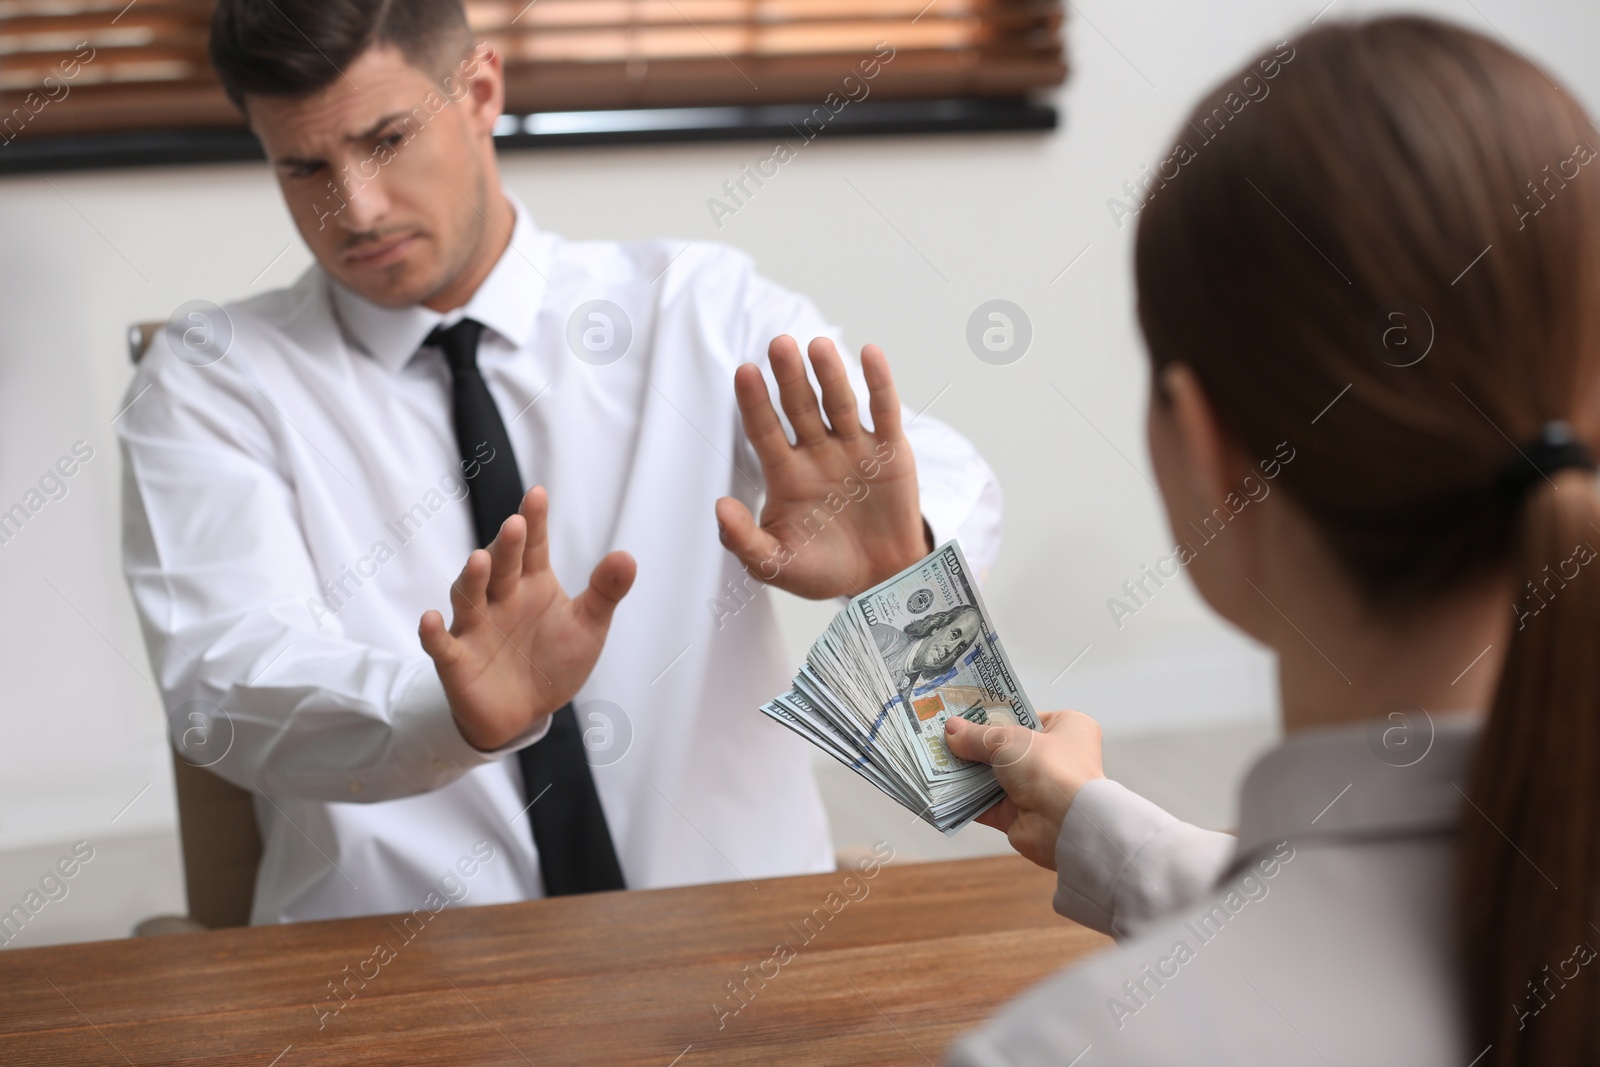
[221,845]
[140,337]
[216,819]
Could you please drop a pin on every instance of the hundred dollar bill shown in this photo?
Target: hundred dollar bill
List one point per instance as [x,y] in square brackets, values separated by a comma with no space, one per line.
[941,655]
[879,684]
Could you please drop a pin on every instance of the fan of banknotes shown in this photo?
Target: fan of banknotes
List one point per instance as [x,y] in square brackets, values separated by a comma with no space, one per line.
[899,660]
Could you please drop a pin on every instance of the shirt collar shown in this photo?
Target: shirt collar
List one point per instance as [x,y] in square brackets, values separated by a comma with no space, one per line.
[1388,777]
[507,302]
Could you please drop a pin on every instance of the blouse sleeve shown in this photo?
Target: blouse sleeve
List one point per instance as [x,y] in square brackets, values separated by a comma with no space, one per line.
[1123,862]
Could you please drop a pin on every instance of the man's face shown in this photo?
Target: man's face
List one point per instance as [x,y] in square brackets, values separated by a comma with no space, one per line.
[940,648]
[386,172]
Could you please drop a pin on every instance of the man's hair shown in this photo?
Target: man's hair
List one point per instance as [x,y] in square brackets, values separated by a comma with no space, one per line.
[297,48]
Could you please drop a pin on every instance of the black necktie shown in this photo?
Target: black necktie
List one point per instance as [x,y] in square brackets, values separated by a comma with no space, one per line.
[569,826]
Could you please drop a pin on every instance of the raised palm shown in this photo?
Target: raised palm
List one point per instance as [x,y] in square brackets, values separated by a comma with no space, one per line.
[842,511]
[518,648]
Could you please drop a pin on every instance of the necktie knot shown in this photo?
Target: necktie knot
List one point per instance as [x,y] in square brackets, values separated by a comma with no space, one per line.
[459,343]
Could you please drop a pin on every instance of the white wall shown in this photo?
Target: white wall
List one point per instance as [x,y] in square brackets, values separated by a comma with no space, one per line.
[867,227]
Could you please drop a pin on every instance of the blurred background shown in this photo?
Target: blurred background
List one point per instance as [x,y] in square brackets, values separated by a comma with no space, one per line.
[899,237]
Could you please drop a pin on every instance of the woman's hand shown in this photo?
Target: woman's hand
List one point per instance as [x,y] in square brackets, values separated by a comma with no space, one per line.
[1041,772]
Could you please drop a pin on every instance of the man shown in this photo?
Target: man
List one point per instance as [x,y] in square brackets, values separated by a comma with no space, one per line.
[303,482]
[928,647]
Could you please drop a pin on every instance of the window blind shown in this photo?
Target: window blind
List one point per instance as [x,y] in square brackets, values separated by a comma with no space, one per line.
[95,66]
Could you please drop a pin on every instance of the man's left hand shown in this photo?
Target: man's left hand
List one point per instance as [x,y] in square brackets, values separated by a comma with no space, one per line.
[842,511]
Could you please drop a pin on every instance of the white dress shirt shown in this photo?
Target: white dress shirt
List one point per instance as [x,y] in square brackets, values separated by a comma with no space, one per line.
[293,508]
[1322,935]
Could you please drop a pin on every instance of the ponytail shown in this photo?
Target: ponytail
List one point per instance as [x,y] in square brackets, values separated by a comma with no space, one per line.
[1528,858]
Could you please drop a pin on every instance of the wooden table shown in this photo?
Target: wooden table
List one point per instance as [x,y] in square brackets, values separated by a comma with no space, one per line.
[886,970]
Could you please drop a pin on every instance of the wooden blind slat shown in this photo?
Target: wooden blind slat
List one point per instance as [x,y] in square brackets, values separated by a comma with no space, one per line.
[487,15]
[150,69]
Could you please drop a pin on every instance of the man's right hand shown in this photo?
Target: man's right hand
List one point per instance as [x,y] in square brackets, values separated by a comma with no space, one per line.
[518,648]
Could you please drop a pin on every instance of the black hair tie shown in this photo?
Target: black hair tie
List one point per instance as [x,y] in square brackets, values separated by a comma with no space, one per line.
[1555,449]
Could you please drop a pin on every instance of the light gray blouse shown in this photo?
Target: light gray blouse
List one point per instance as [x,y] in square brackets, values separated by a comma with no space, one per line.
[1321,935]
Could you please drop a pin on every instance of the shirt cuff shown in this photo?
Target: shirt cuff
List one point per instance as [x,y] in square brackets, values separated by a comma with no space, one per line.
[1105,828]
[428,744]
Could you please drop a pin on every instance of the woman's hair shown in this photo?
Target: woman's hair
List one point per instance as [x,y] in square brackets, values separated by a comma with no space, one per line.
[1381,243]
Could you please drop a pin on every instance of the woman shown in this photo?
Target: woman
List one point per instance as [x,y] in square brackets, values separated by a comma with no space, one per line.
[1415,875]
